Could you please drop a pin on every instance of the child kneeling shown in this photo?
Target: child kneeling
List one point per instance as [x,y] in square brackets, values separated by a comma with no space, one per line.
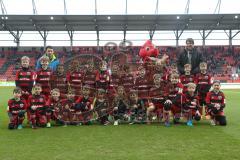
[16,109]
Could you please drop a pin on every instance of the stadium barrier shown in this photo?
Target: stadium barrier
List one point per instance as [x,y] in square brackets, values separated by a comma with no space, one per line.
[223,85]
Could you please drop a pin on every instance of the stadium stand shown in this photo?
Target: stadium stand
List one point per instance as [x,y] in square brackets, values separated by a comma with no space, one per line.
[223,61]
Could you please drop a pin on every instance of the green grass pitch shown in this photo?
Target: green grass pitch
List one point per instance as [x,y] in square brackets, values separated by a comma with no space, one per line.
[136,142]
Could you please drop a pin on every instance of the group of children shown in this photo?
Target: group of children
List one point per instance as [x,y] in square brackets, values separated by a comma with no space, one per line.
[153,93]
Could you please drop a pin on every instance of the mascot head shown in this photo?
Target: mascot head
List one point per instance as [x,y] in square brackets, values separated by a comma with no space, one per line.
[148,50]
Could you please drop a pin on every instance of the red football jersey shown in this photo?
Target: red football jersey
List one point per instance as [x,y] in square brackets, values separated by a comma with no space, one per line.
[24,79]
[43,78]
[173,90]
[75,80]
[203,82]
[188,99]
[86,103]
[37,100]
[185,79]
[215,98]
[127,81]
[90,79]
[102,79]
[59,82]
[15,106]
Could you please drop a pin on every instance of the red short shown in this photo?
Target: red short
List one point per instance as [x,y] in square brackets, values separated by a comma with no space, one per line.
[176,109]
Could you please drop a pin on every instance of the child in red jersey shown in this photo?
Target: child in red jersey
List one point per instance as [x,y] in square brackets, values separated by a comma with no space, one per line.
[120,106]
[143,82]
[16,108]
[191,104]
[115,79]
[25,78]
[83,108]
[37,105]
[44,75]
[127,79]
[68,108]
[59,81]
[156,98]
[187,77]
[204,83]
[174,69]
[216,103]
[101,106]
[55,107]
[75,77]
[173,100]
[137,108]
[103,76]
[90,77]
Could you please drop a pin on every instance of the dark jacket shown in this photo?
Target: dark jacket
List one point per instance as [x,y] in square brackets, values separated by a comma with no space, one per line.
[196,59]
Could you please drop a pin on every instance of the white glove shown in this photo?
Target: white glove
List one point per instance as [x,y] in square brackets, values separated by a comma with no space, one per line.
[168,101]
[193,103]
[34,107]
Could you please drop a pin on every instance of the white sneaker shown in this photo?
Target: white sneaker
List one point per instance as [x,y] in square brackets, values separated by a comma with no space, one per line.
[131,123]
[154,118]
[212,122]
[115,123]
[48,125]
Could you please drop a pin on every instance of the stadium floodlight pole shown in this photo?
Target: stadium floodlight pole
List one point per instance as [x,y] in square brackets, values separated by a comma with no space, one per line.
[95,7]
[65,7]
[218,7]
[156,9]
[187,7]
[3,8]
[126,7]
[34,7]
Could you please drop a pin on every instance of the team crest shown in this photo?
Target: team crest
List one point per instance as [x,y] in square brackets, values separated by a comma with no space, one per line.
[41,99]
[219,97]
